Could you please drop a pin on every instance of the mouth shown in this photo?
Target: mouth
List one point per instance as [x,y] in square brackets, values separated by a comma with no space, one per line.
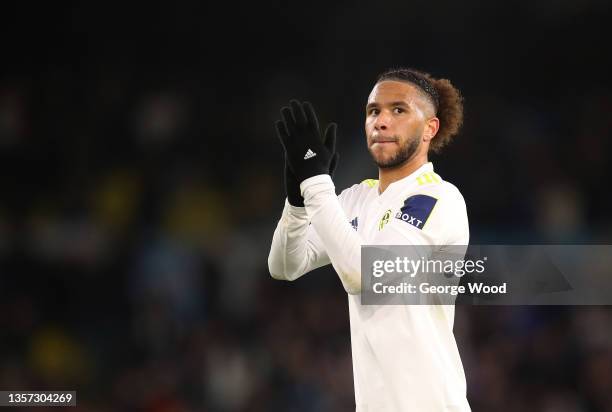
[383,142]
[382,139]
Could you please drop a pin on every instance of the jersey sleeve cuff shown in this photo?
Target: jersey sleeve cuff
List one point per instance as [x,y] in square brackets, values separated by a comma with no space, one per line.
[316,184]
[295,210]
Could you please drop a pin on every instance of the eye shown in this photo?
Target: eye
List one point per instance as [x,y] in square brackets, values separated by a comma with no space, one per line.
[398,110]
[373,111]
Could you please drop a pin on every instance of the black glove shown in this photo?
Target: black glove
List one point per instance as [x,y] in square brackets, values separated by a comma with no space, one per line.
[307,153]
[292,186]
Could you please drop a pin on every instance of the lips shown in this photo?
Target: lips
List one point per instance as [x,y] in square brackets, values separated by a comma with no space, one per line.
[383,141]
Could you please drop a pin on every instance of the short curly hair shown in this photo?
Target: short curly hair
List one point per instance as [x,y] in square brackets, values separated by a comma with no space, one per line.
[446,99]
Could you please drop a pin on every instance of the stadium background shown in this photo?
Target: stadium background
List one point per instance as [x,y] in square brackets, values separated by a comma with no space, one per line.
[141,181]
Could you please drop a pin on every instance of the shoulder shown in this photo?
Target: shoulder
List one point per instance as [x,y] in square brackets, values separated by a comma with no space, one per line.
[359,189]
[435,206]
[433,185]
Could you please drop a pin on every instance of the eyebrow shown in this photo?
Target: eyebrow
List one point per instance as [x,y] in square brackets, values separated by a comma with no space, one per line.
[396,103]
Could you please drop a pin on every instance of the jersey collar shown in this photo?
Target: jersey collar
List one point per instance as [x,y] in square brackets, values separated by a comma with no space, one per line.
[398,184]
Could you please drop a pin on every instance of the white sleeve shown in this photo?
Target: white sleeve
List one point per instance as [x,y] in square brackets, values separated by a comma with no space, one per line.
[341,241]
[343,244]
[296,249]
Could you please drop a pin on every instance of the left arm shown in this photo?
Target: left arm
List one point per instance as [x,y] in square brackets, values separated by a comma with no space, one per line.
[341,241]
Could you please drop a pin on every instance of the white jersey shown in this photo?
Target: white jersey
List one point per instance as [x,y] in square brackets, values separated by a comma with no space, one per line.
[405,357]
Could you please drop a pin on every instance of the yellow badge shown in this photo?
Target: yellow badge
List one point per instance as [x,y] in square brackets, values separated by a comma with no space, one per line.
[384,220]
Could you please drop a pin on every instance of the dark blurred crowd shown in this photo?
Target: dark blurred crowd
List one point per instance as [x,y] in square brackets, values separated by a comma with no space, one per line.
[142,181]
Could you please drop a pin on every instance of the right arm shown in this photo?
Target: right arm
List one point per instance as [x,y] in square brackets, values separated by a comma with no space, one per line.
[296,247]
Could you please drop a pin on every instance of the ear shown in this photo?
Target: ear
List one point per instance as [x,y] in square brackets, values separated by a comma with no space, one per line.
[431,128]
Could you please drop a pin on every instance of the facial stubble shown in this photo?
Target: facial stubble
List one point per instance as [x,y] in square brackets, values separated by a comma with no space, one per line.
[403,155]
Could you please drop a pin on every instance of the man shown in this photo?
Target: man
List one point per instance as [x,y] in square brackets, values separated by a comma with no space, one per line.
[405,358]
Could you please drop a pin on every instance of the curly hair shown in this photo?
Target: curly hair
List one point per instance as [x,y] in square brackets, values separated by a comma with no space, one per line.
[446,99]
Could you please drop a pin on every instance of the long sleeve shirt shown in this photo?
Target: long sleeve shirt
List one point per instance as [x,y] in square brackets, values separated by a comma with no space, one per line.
[405,357]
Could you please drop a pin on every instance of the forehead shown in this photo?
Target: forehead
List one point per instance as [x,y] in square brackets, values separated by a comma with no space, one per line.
[391,90]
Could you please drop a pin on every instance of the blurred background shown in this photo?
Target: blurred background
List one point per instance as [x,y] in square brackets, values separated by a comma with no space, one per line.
[142,180]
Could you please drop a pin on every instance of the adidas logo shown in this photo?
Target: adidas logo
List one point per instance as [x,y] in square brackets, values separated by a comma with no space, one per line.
[309,154]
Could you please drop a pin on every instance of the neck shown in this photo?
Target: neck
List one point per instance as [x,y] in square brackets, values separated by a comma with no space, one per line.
[386,176]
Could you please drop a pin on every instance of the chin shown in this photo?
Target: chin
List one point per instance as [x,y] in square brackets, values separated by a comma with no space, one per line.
[381,157]
[382,161]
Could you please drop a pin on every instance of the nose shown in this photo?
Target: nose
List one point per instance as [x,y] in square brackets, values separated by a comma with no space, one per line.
[382,121]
